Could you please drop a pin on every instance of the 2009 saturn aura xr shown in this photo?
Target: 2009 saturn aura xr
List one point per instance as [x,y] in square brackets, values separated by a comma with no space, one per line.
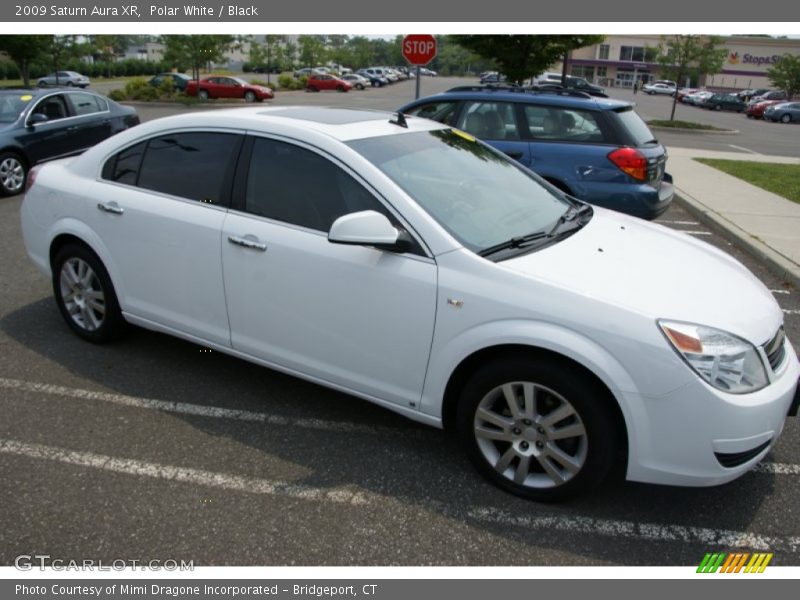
[407,263]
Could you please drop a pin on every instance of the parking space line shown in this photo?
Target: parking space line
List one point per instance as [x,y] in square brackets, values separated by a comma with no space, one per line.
[649,532]
[780,291]
[791,311]
[742,148]
[226,481]
[695,232]
[197,409]
[347,496]
[678,222]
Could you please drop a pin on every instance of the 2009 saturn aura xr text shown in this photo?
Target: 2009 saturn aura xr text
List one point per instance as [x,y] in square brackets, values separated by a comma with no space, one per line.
[407,263]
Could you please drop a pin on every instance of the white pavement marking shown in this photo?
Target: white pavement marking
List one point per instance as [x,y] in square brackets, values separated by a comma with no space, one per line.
[745,149]
[342,495]
[711,538]
[780,291]
[679,222]
[195,409]
[695,232]
[226,481]
[777,468]
[791,311]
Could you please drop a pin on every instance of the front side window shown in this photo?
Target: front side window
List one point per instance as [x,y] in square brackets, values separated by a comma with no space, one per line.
[189,165]
[53,107]
[489,120]
[473,191]
[295,185]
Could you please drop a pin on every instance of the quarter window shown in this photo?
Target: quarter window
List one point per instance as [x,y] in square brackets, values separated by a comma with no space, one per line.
[124,167]
[294,185]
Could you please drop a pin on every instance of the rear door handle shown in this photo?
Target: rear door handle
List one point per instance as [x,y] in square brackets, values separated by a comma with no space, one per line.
[248,241]
[111,207]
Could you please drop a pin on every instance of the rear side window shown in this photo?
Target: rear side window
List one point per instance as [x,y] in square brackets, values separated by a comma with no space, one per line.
[294,185]
[189,165]
[85,104]
[564,124]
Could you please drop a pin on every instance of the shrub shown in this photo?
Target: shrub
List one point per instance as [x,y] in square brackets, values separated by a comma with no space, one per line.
[117,95]
[140,89]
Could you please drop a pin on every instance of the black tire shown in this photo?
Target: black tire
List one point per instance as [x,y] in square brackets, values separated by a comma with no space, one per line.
[717,107]
[42,83]
[359,86]
[202,94]
[92,324]
[558,385]
[311,88]
[13,174]
[70,84]
[249,96]
[787,118]
[340,88]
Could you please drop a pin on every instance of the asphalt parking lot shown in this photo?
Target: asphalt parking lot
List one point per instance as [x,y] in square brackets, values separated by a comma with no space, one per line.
[155,448]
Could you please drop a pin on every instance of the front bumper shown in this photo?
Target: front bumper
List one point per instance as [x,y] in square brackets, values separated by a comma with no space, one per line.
[700,436]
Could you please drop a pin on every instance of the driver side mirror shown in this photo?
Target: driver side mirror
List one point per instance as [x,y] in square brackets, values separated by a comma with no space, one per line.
[369,228]
[37,118]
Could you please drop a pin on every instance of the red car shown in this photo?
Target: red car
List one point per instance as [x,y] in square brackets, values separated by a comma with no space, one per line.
[756,111]
[317,83]
[228,87]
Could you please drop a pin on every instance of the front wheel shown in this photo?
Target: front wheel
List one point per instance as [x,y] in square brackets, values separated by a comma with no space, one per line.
[249,96]
[340,88]
[12,174]
[537,427]
[717,107]
[85,295]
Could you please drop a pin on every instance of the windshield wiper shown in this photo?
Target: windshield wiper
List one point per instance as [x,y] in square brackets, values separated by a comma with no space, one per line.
[516,242]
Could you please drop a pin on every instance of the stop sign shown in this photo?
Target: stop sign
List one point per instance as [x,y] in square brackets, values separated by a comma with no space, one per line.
[419,49]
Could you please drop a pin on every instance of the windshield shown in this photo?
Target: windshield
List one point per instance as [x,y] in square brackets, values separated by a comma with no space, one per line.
[477,194]
[12,105]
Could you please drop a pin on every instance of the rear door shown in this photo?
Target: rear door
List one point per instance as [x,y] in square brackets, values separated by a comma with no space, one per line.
[159,209]
[91,118]
[496,123]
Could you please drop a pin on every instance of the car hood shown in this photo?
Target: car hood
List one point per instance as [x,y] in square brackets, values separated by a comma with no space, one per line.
[658,273]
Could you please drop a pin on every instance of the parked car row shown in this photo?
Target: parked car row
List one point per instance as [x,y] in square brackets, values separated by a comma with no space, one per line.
[768,105]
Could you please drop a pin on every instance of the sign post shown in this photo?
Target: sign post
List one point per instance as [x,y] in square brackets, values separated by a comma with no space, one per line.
[419,50]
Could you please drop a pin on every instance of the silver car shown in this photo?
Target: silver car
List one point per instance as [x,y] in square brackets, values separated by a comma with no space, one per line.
[68,78]
[785,112]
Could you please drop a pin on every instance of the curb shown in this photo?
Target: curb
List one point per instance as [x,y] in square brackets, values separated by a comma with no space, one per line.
[778,264]
[703,131]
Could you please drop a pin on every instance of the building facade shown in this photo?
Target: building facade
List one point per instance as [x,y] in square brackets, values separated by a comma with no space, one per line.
[622,59]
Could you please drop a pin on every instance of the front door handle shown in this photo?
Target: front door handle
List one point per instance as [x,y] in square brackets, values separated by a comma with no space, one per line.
[248,241]
[111,207]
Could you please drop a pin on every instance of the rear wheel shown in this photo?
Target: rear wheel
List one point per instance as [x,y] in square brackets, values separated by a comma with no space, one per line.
[312,88]
[537,427]
[250,96]
[13,173]
[85,295]
[340,88]
[717,107]
[787,118]
[202,94]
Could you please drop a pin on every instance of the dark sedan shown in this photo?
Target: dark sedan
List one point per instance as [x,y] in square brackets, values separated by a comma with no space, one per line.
[40,125]
[724,102]
[179,80]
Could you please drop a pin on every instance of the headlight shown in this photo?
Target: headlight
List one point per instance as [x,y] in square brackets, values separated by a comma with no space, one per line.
[725,361]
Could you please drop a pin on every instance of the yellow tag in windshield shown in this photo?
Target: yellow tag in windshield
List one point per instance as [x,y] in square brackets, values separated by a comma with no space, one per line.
[463,134]
[26,97]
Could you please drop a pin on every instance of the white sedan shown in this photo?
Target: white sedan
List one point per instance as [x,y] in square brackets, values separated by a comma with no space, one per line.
[659,88]
[407,263]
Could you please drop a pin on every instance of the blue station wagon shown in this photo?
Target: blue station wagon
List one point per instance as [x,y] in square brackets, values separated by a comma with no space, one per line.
[596,149]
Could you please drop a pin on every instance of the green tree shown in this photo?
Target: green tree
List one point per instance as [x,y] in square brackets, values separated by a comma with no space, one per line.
[785,75]
[682,56]
[522,56]
[24,50]
[312,50]
[268,54]
[196,50]
[61,48]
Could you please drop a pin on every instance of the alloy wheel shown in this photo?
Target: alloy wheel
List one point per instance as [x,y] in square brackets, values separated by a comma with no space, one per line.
[82,294]
[12,175]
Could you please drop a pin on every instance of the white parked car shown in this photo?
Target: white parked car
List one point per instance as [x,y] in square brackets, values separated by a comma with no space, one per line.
[659,88]
[410,264]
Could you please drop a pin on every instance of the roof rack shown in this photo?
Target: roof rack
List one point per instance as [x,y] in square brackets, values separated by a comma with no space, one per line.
[559,91]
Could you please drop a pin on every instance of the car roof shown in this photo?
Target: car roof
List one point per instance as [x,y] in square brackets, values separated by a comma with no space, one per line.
[568,99]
